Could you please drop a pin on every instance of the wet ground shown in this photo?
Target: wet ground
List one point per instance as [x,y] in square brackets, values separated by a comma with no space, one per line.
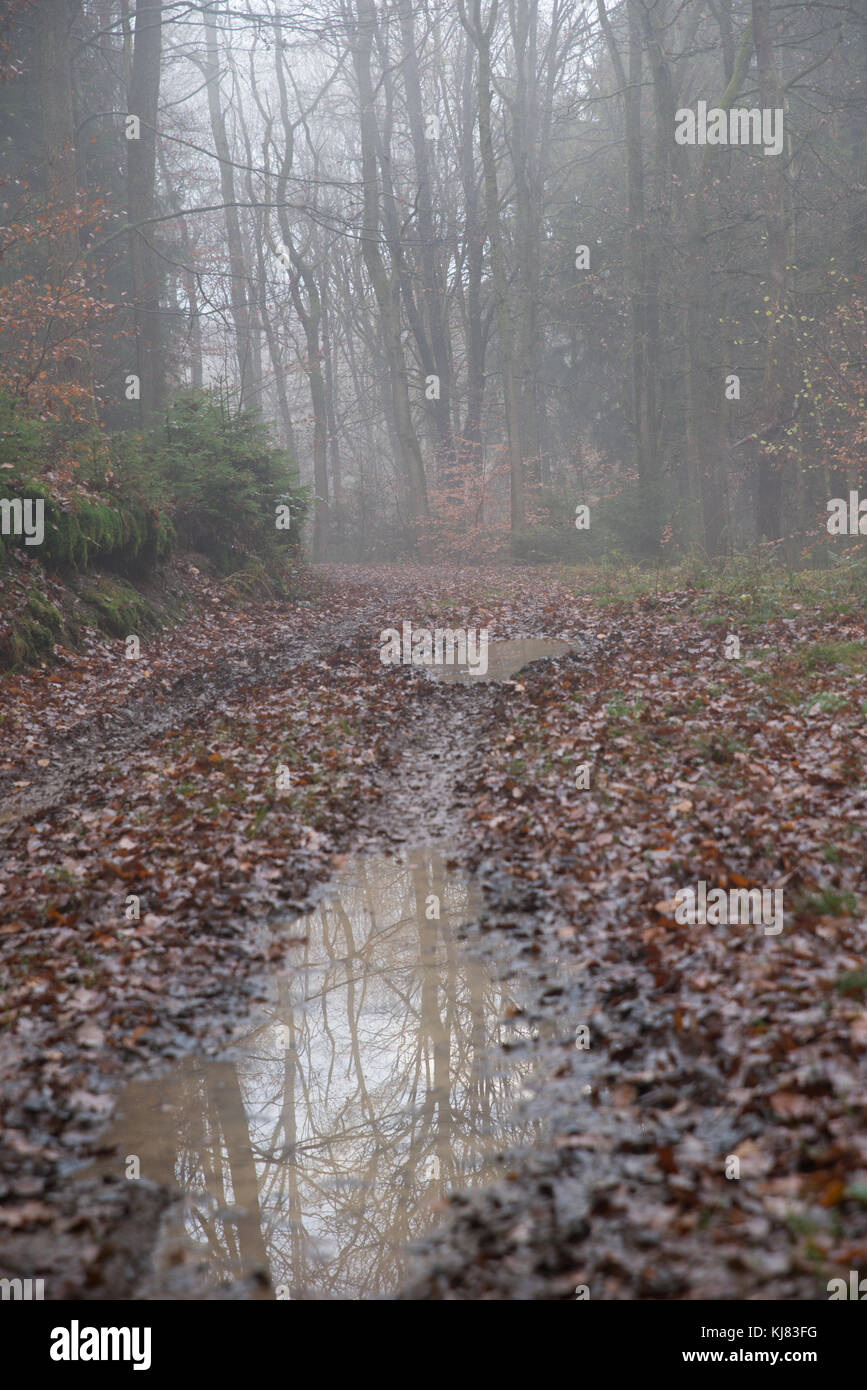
[369,1077]
[368,1087]
[536,1092]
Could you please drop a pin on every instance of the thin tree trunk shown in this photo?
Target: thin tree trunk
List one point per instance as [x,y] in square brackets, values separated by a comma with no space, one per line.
[143,98]
[474,241]
[383,287]
[523,15]
[301,274]
[328,355]
[432,281]
[777,224]
[642,316]
[188,278]
[53,21]
[53,25]
[238,271]
[481,37]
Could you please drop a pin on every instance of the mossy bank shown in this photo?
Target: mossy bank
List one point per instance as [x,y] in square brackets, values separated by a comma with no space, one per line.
[116,511]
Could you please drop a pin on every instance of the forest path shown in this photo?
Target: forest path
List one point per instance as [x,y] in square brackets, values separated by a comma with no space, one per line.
[149,789]
[578,796]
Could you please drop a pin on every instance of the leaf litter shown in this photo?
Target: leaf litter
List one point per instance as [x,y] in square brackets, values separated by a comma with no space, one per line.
[706,1043]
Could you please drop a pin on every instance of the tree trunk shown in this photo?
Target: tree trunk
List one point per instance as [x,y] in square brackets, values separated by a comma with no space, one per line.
[143,98]
[53,24]
[53,21]
[238,271]
[778,226]
[481,38]
[474,241]
[301,276]
[432,279]
[328,352]
[643,314]
[383,287]
[523,17]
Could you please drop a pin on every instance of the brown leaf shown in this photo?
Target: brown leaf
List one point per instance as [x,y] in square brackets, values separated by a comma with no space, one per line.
[28,1214]
[789,1105]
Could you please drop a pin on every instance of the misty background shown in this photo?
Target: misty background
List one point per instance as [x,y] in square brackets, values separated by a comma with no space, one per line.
[347,239]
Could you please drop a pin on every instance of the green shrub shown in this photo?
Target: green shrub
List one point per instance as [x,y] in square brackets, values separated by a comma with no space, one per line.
[220,478]
[207,479]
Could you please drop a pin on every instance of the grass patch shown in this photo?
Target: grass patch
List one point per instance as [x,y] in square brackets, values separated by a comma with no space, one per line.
[751,588]
[717,748]
[621,707]
[853,982]
[829,902]
[825,656]
[825,702]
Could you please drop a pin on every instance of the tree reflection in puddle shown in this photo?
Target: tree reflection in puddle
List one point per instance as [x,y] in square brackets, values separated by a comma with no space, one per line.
[366,1092]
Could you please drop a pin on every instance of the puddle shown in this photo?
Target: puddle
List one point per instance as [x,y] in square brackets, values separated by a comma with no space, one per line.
[505,659]
[367,1090]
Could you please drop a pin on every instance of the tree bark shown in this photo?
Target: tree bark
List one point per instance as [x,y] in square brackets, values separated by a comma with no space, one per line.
[309,311]
[778,227]
[53,25]
[143,99]
[383,287]
[481,34]
[238,270]
[643,314]
[431,275]
[474,242]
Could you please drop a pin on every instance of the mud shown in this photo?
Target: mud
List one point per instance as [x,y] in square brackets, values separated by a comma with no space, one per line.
[79,753]
[104,1235]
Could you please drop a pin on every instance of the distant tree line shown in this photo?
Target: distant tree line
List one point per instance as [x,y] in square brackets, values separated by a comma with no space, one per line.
[456,256]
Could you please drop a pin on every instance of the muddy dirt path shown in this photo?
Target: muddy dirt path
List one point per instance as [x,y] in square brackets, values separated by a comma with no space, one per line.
[367,1083]
[538,1091]
[76,1217]
[77,755]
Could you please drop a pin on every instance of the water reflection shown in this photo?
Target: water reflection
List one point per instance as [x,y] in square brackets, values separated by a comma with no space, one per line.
[505,659]
[365,1093]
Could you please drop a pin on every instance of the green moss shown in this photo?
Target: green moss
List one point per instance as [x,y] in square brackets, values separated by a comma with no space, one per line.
[33,632]
[115,608]
[31,642]
[43,612]
[129,536]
